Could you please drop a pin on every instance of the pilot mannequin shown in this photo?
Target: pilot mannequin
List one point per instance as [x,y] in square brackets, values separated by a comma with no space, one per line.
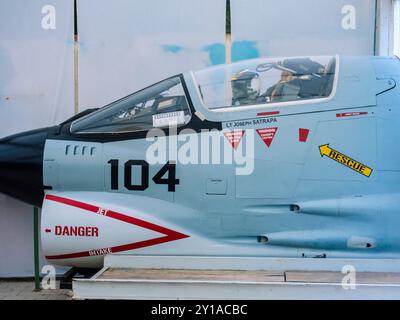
[245,88]
[274,93]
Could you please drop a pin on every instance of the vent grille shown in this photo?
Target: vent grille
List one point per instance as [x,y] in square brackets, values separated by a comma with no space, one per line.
[79,150]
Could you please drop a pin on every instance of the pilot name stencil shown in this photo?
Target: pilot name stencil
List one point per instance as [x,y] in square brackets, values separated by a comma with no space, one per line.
[249,123]
[352,164]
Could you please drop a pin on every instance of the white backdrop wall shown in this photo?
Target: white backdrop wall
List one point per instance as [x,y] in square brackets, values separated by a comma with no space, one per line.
[306,27]
[36,87]
[127,44]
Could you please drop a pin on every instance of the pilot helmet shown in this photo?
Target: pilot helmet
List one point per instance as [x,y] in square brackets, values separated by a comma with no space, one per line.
[245,87]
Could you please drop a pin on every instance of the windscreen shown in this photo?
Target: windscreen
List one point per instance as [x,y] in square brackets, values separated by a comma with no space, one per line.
[160,105]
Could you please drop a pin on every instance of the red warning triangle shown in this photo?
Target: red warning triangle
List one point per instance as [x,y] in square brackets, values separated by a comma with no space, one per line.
[267,135]
[167,234]
[234,137]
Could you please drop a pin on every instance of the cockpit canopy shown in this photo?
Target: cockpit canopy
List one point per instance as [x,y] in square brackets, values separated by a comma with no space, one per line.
[253,82]
[264,81]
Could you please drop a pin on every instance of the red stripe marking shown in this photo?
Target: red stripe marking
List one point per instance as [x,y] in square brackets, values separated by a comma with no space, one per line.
[350,114]
[303,134]
[270,113]
[170,235]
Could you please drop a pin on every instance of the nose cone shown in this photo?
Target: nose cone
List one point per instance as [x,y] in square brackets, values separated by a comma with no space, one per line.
[21,166]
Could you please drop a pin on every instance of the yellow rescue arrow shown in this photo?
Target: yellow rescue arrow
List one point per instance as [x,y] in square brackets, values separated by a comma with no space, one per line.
[325,150]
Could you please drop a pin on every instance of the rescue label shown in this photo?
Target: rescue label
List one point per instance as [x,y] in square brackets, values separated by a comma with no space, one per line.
[325,150]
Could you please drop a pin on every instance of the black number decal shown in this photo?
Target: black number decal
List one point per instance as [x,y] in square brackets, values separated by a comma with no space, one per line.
[171,181]
[169,168]
[144,184]
[114,173]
